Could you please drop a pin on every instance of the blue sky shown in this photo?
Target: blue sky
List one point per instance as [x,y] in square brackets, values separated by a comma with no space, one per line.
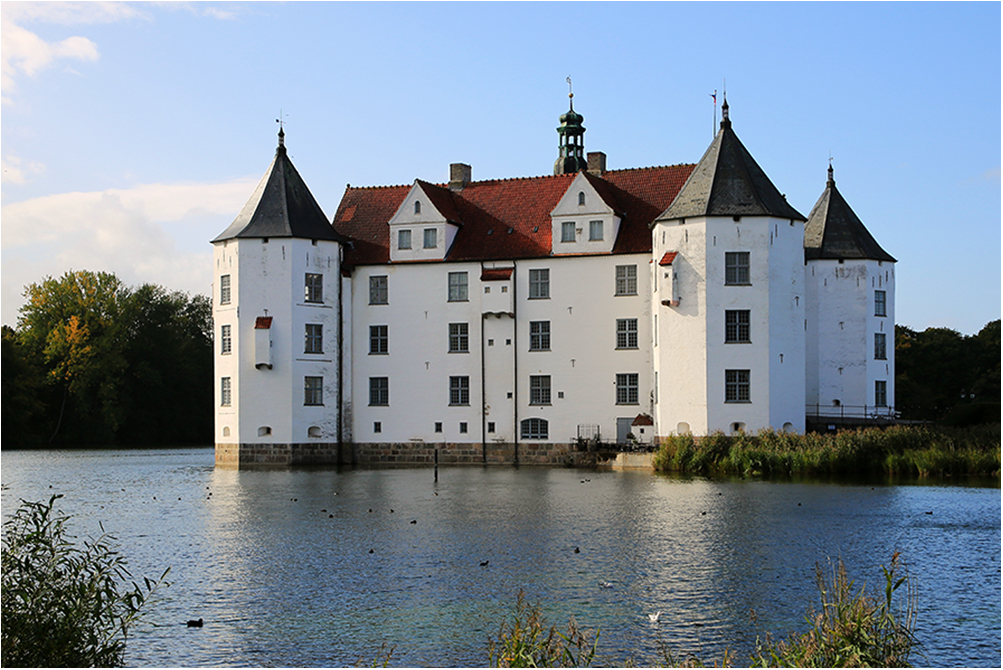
[132,133]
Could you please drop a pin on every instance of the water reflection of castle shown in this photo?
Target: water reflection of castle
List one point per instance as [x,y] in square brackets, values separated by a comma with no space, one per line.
[502,320]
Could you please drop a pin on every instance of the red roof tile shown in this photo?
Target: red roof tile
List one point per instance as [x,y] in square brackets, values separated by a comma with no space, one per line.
[668,258]
[263,322]
[496,274]
[509,218]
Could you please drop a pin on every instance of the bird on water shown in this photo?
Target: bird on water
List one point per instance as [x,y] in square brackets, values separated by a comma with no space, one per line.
[193,623]
[655,617]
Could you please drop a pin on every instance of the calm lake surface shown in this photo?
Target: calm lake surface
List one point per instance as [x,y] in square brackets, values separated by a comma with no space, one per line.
[321,567]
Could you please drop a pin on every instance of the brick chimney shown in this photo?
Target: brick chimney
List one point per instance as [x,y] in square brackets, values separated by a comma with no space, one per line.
[459,176]
[597,162]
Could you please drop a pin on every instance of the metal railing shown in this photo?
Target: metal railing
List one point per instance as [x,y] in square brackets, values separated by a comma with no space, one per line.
[868,413]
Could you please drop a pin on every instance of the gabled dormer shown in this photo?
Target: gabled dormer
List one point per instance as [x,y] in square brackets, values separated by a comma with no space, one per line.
[425,224]
[586,219]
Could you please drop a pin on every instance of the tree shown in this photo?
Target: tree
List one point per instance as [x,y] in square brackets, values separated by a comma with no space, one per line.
[22,391]
[64,605]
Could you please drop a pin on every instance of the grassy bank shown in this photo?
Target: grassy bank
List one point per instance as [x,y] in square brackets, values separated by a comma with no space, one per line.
[899,450]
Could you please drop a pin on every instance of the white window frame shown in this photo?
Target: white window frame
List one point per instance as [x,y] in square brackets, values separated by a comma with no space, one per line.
[313,391]
[627,388]
[539,335]
[568,231]
[626,333]
[539,389]
[539,284]
[224,289]
[313,287]
[378,290]
[225,392]
[225,339]
[459,338]
[736,268]
[880,346]
[404,239]
[459,390]
[626,280]
[596,231]
[379,339]
[880,303]
[379,391]
[881,393]
[737,386]
[314,338]
[458,288]
[430,238]
[737,327]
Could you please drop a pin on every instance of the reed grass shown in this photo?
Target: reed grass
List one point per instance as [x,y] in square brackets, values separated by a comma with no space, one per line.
[897,450]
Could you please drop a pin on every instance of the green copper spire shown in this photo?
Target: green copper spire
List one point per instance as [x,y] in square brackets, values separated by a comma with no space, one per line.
[571,156]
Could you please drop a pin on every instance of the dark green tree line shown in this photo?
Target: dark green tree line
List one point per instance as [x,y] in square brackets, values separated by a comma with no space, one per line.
[942,375]
[94,361]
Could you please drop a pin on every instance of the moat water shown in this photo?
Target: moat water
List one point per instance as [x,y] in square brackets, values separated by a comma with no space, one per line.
[322,567]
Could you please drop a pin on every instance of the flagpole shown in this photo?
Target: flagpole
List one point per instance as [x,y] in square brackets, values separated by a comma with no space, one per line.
[713,129]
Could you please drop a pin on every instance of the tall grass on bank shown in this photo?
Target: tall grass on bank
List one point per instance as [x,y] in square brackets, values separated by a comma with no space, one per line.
[898,450]
[853,628]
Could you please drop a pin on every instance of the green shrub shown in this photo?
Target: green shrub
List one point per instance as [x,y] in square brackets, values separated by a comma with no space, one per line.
[853,628]
[527,642]
[64,604]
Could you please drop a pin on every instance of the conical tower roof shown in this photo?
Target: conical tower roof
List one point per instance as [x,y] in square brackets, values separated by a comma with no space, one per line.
[728,182]
[834,231]
[281,206]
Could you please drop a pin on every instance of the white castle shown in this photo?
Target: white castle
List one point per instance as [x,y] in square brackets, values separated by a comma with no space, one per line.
[515,320]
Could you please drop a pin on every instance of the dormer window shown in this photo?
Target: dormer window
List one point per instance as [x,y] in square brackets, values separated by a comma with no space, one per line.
[595,231]
[403,239]
[430,238]
[417,206]
[581,198]
[568,231]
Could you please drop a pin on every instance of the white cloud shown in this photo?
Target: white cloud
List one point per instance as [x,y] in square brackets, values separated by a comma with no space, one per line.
[157,233]
[23,53]
[13,170]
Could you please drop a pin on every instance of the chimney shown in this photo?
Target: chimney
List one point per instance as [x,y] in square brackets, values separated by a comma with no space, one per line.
[459,176]
[597,162]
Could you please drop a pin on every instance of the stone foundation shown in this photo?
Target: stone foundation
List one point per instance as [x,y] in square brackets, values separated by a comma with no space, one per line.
[407,454]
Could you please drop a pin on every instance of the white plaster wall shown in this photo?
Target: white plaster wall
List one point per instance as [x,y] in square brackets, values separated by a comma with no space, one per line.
[582,363]
[787,325]
[680,355]
[267,279]
[882,277]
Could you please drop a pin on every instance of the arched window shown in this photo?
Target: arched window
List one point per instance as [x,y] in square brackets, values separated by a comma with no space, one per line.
[313,431]
[682,428]
[264,431]
[535,429]
[581,197]
[226,431]
[788,427]
[737,427]
[417,206]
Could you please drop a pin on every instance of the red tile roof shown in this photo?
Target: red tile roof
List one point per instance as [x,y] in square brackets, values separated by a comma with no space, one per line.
[509,218]
[496,274]
[668,258]
[263,322]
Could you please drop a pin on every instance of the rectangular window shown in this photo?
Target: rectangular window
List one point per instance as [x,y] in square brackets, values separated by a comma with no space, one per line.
[626,388]
[314,287]
[539,335]
[313,390]
[225,340]
[224,392]
[491,426]
[438,426]
[534,429]
[403,239]
[430,241]
[458,338]
[379,339]
[463,426]
[314,338]
[626,280]
[539,390]
[568,231]
[378,290]
[880,351]
[880,308]
[377,426]
[881,393]
[457,286]
[539,284]
[736,268]
[626,333]
[224,290]
[736,325]
[736,386]
[379,391]
[595,231]
[459,390]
